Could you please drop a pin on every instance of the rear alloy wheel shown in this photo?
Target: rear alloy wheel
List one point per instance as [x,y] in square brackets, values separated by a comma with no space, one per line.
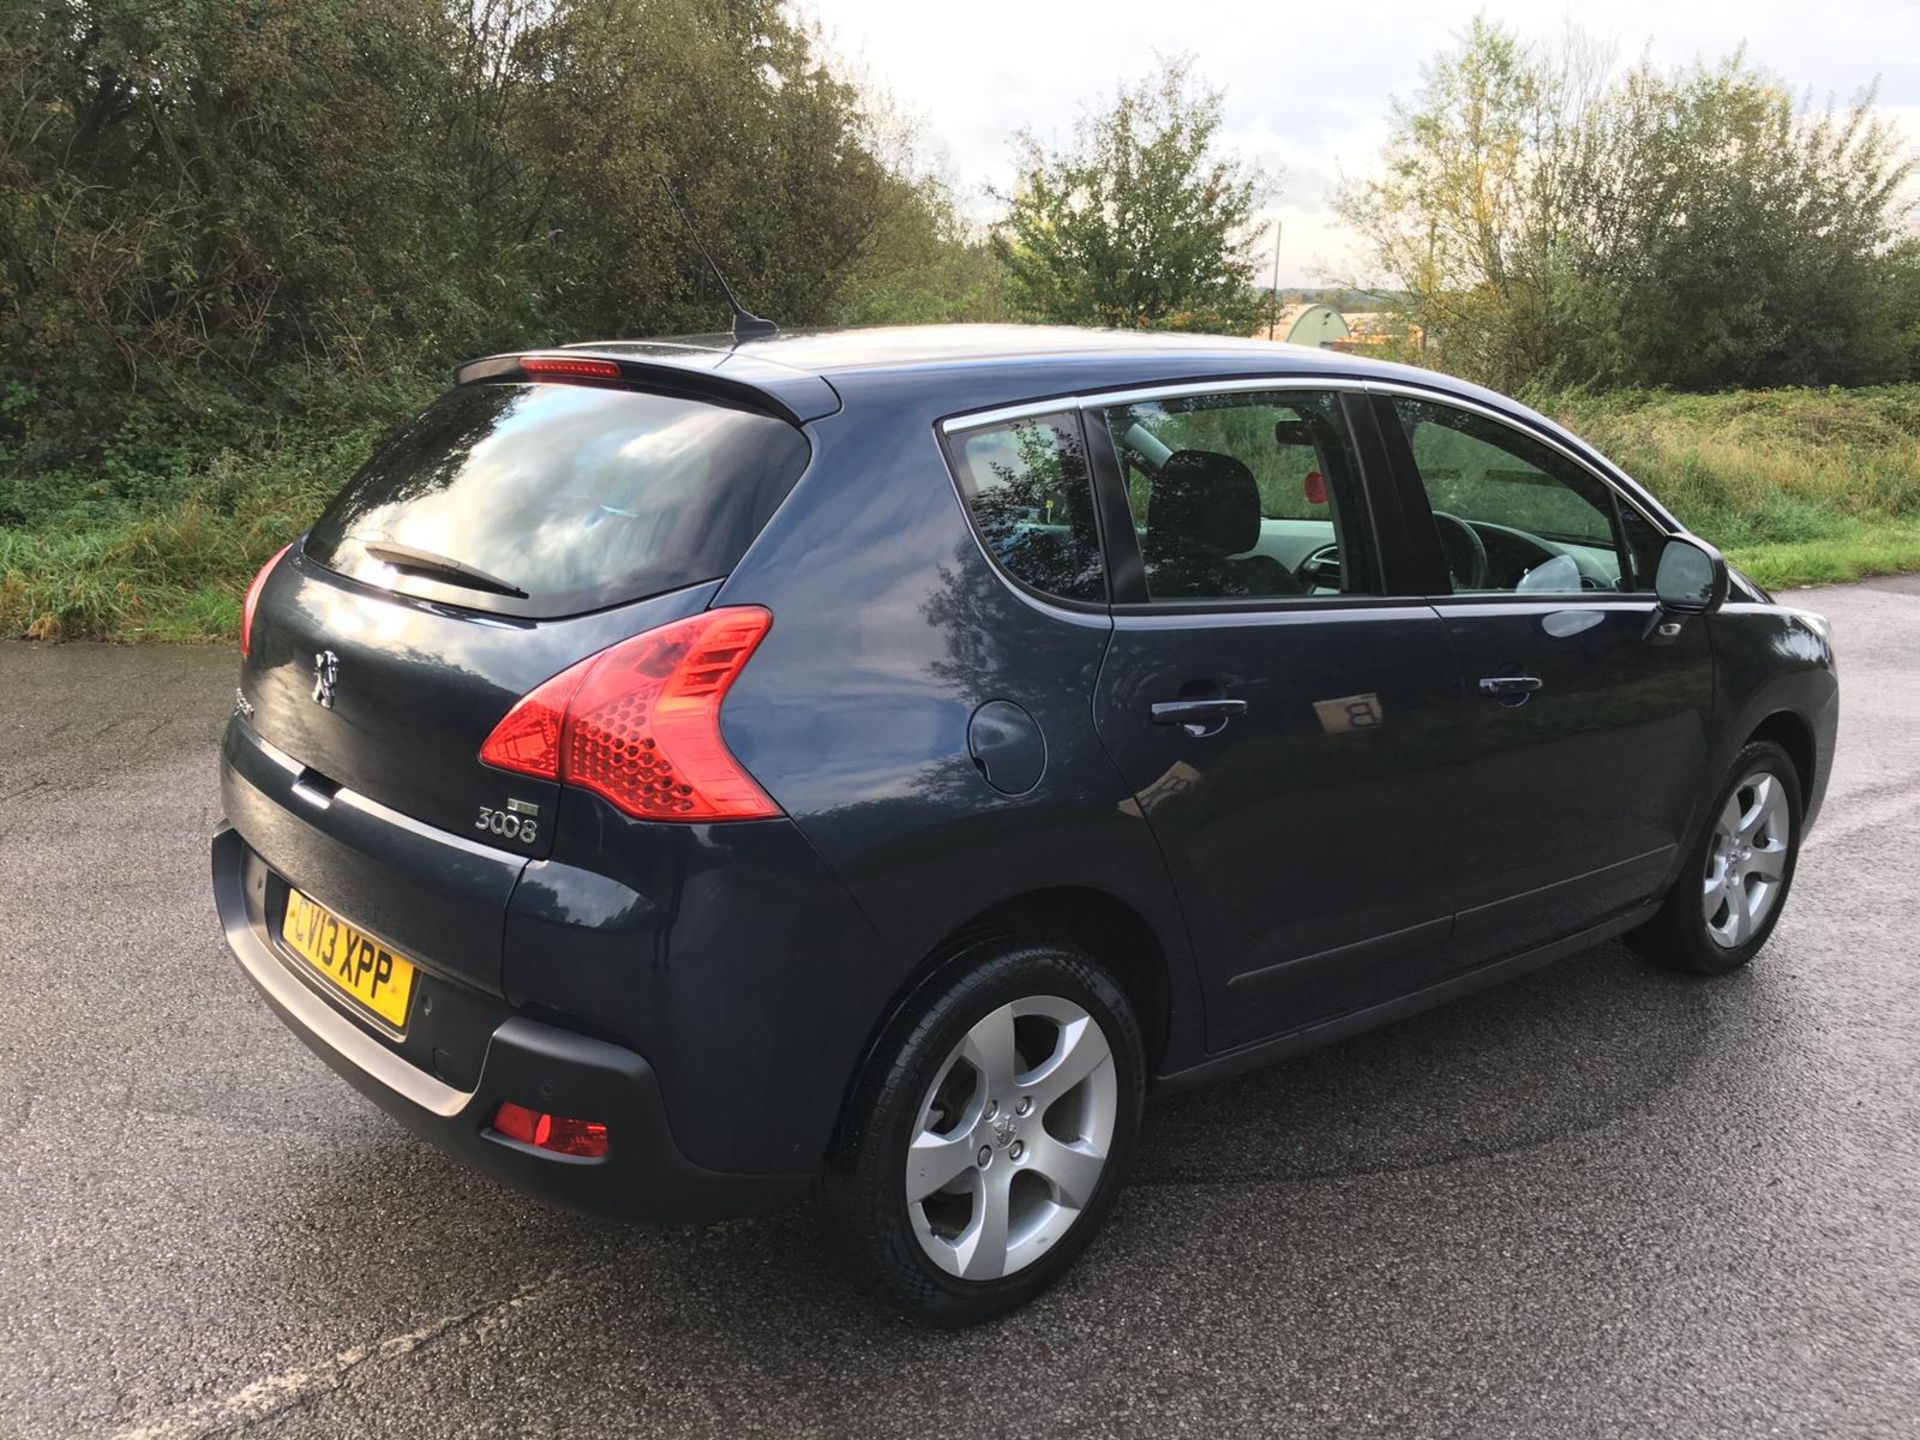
[1013,1140]
[1730,894]
[986,1141]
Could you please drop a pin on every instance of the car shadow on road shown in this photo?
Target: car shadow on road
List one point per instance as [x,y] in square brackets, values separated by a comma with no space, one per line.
[1564,1050]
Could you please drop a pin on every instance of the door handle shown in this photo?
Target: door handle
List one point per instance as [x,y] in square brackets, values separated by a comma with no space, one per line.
[1201,717]
[1509,687]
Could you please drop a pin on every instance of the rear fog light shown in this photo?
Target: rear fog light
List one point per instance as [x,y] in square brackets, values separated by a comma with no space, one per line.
[563,1136]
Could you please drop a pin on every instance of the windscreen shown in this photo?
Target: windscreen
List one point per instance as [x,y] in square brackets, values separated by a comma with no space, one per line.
[577,496]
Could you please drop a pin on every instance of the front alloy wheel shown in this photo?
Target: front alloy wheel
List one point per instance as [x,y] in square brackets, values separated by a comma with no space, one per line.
[1730,892]
[1746,860]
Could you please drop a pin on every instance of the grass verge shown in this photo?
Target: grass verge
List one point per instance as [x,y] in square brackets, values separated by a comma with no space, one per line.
[1891,550]
[178,572]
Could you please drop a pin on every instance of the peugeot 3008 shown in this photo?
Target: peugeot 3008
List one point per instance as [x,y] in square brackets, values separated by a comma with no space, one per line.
[684,778]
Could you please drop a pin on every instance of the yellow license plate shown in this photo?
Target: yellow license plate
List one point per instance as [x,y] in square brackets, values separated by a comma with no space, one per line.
[356,963]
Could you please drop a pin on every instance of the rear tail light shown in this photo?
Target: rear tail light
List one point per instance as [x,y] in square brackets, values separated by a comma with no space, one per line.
[585,1138]
[248,605]
[639,723]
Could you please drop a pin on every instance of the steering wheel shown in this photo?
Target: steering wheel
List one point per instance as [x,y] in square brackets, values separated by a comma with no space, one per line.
[1319,569]
[1476,577]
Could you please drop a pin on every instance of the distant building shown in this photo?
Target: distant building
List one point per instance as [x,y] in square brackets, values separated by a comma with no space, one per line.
[1306,325]
[1367,329]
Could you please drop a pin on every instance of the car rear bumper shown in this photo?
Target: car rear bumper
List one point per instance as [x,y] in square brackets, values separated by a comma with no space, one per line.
[544,1067]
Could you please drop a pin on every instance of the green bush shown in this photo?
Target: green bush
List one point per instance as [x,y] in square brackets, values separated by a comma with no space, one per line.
[224,218]
[1556,218]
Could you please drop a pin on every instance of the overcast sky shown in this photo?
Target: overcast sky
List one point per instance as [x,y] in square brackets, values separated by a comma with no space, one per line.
[1307,85]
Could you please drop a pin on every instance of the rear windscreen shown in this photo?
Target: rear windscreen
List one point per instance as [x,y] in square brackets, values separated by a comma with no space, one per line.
[582,497]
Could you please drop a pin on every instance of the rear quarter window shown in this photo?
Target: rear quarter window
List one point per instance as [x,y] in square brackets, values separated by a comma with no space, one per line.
[581,496]
[1027,484]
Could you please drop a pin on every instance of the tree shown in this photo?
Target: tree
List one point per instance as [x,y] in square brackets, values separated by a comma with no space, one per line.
[218,217]
[1140,222]
[1557,222]
[1764,230]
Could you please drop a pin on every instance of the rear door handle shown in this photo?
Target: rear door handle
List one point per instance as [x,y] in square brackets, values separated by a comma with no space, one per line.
[1508,686]
[1201,717]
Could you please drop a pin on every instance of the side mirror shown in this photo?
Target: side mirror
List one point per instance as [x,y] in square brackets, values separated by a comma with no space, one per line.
[1692,577]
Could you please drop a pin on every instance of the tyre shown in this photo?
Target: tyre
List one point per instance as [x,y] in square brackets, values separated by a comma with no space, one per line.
[990,1132]
[1734,885]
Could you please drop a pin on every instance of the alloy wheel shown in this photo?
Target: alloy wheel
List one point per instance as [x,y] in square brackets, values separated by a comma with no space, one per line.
[1012,1137]
[1746,860]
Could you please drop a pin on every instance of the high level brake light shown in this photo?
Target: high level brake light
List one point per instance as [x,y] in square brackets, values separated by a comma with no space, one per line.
[569,367]
[639,723]
[252,602]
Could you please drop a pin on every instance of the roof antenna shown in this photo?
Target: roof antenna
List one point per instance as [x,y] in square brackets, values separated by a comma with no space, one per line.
[746,325]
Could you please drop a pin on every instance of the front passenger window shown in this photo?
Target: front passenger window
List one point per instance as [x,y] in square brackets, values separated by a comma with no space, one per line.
[1511,514]
[1249,495]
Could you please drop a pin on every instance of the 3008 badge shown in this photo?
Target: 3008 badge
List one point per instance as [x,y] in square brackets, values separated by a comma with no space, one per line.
[519,821]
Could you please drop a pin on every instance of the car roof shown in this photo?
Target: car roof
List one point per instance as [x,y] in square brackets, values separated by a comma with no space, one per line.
[981,366]
[951,347]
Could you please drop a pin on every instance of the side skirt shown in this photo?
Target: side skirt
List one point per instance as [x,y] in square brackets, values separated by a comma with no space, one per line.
[1401,1007]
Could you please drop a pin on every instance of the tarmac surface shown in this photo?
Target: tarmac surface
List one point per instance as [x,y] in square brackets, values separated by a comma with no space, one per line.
[1602,1200]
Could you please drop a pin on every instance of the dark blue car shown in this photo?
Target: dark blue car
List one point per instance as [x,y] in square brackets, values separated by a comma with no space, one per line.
[685,778]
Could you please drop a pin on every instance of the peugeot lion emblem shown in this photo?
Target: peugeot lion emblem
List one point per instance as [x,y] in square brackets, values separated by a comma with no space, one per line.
[326,671]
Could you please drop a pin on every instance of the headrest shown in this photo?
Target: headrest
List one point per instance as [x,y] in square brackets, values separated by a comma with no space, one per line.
[1204,506]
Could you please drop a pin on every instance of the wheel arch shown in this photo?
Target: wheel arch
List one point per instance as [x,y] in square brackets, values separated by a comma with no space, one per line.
[1792,733]
[1107,927]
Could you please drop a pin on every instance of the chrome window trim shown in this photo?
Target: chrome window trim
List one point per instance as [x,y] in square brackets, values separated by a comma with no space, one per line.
[1239,386]
[1030,410]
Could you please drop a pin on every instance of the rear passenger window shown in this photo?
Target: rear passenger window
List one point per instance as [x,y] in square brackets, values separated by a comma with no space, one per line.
[1027,484]
[1245,495]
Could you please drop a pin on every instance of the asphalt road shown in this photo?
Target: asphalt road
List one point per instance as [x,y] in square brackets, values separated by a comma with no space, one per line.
[1600,1201]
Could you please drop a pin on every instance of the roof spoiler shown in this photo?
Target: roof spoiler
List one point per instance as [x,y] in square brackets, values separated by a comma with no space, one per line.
[790,395]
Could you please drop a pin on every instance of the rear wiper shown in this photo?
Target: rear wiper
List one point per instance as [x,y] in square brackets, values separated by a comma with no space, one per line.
[426,562]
